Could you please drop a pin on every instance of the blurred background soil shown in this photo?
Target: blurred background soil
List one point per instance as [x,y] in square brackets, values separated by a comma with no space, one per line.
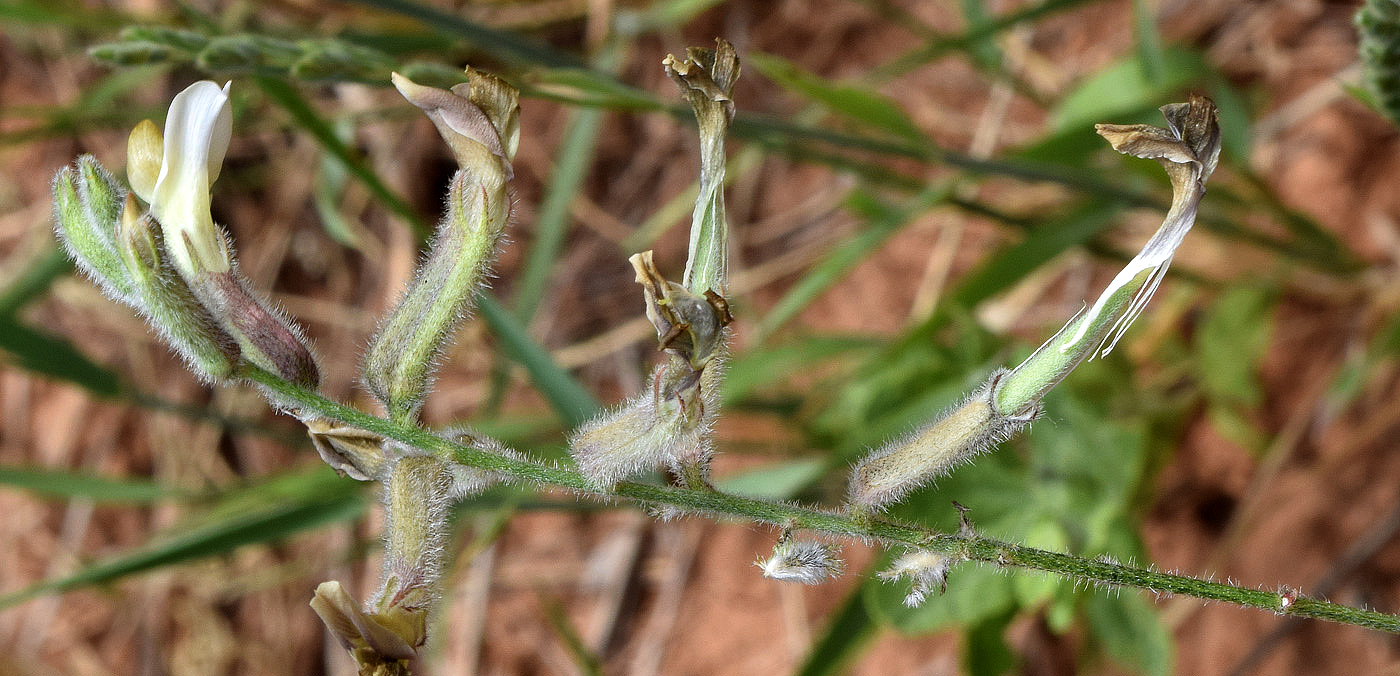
[682,597]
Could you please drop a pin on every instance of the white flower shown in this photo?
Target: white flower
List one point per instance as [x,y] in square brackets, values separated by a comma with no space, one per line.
[197,131]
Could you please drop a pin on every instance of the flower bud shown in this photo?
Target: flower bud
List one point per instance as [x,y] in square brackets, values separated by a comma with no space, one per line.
[959,434]
[266,338]
[167,302]
[240,54]
[87,209]
[479,119]
[925,570]
[802,561]
[666,426]
[403,355]
[379,642]
[144,152]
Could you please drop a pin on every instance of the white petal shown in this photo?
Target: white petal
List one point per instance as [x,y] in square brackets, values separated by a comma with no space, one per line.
[197,132]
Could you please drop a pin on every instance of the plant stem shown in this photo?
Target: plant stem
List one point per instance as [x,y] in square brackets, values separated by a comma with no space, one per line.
[969,546]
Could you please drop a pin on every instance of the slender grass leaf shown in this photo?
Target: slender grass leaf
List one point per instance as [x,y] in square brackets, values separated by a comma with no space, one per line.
[855,104]
[284,95]
[552,219]
[492,41]
[63,484]
[573,404]
[55,358]
[261,525]
[34,281]
[1005,268]
[884,221]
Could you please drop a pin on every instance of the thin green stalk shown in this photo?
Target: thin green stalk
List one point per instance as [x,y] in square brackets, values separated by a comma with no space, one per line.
[968,546]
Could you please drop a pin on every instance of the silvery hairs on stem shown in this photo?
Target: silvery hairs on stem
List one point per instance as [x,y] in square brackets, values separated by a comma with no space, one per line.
[1009,400]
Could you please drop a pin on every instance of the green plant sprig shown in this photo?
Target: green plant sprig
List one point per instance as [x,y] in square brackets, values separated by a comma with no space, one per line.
[969,545]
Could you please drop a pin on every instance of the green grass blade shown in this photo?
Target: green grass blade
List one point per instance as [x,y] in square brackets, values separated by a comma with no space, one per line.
[884,222]
[848,631]
[573,404]
[1010,265]
[853,103]
[55,358]
[51,483]
[257,525]
[34,281]
[305,116]
[492,41]
[552,219]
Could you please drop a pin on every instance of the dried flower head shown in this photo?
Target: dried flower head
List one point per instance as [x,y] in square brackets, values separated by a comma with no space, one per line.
[802,561]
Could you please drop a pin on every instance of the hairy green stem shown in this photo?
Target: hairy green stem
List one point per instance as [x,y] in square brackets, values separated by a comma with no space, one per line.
[857,525]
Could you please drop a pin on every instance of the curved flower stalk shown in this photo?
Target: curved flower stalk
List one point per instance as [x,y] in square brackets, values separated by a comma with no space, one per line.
[1009,400]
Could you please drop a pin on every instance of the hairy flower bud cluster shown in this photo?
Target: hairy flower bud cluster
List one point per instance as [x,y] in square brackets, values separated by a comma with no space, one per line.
[925,570]
[480,120]
[801,561]
[174,264]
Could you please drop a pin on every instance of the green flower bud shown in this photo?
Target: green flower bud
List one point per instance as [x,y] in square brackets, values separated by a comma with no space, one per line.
[668,425]
[266,338]
[167,302]
[87,207]
[403,355]
[402,358]
[959,434]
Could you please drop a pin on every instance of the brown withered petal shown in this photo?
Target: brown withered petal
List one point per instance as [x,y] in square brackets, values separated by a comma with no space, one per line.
[688,325]
[1197,123]
[1147,142]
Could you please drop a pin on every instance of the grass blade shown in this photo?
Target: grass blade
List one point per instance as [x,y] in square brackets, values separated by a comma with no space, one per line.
[51,483]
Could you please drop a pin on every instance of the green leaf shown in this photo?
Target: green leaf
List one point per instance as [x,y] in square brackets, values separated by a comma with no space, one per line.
[849,631]
[775,482]
[1130,632]
[54,483]
[55,358]
[573,404]
[1230,343]
[984,649]
[885,220]
[290,100]
[1004,268]
[1124,89]
[862,106]
[756,368]
[257,523]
